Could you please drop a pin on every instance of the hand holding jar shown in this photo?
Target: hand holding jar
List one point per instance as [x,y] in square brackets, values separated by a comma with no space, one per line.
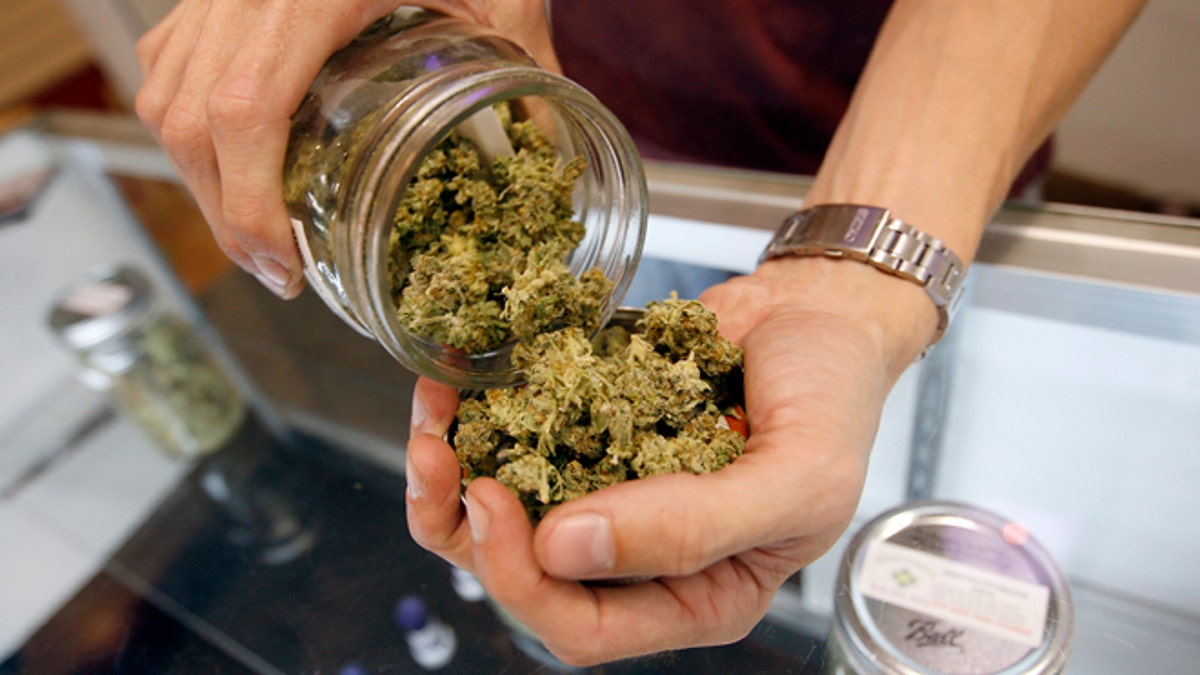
[222,80]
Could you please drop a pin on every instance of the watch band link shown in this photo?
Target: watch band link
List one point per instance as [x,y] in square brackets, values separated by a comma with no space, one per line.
[870,234]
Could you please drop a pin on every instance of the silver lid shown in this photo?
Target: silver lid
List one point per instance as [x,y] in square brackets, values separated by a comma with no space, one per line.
[942,587]
[102,305]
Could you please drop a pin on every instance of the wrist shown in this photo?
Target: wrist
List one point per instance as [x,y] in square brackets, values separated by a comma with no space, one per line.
[873,237]
[894,315]
[957,219]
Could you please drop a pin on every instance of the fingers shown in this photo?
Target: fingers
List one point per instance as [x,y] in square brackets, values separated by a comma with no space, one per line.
[249,116]
[492,537]
[163,53]
[184,57]
[152,42]
[222,79]
[433,408]
[436,519]
[681,524]
[249,109]
[585,625]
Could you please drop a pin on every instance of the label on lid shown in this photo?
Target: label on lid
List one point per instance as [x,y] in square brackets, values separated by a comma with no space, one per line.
[952,591]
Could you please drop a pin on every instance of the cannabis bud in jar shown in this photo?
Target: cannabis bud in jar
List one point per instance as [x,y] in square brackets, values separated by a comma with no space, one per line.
[479,249]
[648,395]
[447,245]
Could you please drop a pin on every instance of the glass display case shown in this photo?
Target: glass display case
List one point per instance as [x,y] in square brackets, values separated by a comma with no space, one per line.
[1064,397]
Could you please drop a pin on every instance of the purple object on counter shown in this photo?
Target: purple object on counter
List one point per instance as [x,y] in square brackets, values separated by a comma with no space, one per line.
[411,613]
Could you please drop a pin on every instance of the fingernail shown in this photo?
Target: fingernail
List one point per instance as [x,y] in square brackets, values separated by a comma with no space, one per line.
[581,546]
[478,518]
[415,481]
[419,414]
[273,275]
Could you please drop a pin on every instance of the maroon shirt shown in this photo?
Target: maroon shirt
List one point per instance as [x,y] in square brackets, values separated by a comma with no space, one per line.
[757,84]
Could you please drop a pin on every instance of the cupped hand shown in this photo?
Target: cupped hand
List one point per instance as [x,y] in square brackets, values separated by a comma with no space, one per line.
[824,341]
[222,79]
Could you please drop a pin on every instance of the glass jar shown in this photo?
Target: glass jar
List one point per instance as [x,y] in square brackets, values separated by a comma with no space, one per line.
[378,107]
[943,588]
[159,371]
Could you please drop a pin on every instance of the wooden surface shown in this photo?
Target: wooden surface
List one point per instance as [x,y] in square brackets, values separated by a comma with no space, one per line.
[41,46]
[174,222]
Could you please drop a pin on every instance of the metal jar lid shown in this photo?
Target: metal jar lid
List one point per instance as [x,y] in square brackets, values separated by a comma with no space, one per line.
[102,305]
[947,588]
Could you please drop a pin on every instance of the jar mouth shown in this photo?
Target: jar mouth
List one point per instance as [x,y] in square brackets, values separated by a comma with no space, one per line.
[609,198]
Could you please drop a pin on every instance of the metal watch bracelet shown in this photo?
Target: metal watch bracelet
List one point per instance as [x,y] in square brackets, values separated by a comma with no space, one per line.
[870,234]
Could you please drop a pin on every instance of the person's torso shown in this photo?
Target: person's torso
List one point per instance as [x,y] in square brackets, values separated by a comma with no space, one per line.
[758,84]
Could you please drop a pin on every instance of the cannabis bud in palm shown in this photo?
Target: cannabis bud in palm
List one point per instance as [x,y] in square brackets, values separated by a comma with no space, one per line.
[626,404]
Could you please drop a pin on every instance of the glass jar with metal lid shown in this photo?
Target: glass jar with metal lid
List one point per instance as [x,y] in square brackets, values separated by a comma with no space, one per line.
[944,588]
[158,369]
[379,107]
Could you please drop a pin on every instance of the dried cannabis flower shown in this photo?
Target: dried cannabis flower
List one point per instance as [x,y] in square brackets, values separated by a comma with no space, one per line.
[593,413]
[478,252]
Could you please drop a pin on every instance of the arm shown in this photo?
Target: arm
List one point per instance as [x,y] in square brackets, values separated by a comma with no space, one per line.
[953,99]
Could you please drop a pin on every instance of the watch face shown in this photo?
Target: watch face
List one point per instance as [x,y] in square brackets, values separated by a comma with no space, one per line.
[844,228]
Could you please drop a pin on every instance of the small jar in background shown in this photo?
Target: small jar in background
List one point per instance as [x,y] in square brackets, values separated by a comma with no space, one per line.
[378,107]
[159,371]
[941,588]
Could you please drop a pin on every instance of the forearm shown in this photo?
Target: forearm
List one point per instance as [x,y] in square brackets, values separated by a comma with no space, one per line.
[955,97]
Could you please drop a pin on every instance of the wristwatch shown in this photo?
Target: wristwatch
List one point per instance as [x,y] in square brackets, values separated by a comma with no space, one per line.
[872,235]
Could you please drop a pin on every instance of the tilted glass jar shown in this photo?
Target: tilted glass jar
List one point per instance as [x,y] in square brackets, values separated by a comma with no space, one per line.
[378,107]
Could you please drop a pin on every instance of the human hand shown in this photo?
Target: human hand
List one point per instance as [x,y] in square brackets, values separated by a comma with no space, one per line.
[222,79]
[824,341]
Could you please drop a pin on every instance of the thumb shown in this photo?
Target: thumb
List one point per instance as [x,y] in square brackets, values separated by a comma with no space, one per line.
[679,524]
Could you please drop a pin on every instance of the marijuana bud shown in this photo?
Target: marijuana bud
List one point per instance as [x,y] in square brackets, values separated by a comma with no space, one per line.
[637,400]
[686,328]
[478,251]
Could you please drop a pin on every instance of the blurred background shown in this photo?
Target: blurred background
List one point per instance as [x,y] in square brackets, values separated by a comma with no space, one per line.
[1131,142]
